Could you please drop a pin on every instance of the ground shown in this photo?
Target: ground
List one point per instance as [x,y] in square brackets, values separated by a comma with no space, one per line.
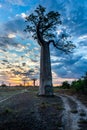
[22,109]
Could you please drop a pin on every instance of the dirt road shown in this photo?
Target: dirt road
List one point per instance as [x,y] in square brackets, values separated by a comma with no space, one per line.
[74,114]
[28,111]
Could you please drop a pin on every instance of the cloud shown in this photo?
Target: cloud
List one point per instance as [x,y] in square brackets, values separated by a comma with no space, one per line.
[11,35]
[70,67]
[16,2]
[0,5]
[14,25]
[5,61]
[82,38]
[28,73]
[23,15]
[5,42]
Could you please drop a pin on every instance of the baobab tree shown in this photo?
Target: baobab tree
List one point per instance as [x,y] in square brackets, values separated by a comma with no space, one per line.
[34,80]
[42,26]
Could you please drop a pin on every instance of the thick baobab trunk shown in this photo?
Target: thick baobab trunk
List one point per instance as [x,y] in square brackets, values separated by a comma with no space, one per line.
[46,87]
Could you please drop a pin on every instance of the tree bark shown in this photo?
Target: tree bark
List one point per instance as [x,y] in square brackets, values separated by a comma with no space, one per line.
[46,87]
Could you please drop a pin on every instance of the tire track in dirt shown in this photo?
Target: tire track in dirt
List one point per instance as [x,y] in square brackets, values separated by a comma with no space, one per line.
[74,113]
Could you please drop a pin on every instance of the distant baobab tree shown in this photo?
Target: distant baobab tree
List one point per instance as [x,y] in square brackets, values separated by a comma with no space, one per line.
[24,82]
[42,26]
[34,80]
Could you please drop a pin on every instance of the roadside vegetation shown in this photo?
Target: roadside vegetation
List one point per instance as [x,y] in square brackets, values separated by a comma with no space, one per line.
[79,85]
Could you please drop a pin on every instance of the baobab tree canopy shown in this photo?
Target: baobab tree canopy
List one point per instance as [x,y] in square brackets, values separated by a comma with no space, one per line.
[43,25]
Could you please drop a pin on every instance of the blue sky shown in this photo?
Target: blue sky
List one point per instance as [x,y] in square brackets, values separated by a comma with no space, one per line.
[20,54]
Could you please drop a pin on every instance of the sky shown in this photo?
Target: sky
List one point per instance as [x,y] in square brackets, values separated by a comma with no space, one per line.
[20,54]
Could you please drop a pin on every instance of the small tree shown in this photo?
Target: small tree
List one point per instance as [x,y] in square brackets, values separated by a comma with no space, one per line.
[42,26]
[34,80]
[78,85]
[85,83]
[4,85]
[65,85]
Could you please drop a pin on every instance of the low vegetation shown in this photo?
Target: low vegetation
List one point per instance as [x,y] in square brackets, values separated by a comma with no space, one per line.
[79,85]
[8,111]
[44,105]
[83,121]
[82,114]
[74,111]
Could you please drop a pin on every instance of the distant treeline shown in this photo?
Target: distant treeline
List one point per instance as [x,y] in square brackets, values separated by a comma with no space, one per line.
[79,85]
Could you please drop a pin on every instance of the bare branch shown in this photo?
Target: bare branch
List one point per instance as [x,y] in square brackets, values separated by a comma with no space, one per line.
[67,48]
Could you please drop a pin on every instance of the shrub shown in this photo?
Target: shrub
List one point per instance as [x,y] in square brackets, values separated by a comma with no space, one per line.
[65,85]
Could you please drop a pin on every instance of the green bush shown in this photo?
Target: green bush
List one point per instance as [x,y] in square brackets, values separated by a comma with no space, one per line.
[80,85]
[65,85]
